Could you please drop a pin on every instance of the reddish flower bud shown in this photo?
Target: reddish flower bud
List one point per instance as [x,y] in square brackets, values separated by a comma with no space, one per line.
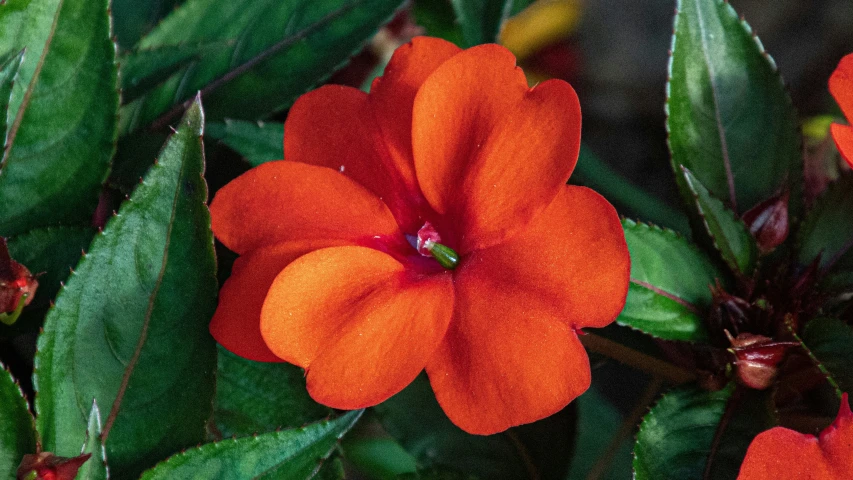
[17,284]
[757,358]
[768,222]
[47,466]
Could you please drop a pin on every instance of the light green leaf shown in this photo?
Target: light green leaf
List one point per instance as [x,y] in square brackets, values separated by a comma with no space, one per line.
[17,432]
[290,454]
[257,142]
[729,117]
[130,328]
[256,397]
[95,467]
[729,234]
[670,284]
[62,113]
[481,20]
[253,58]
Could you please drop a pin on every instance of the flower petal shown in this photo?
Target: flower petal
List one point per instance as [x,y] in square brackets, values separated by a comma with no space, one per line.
[572,260]
[502,364]
[843,136]
[454,112]
[782,453]
[287,201]
[841,85]
[522,165]
[358,321]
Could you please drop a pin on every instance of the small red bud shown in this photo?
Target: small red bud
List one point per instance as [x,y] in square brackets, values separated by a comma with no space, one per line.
[17,284]
[757,358]
[768,222]
[47,466]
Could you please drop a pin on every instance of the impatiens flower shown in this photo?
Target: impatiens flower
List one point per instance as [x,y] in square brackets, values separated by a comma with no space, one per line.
[782,454]
[427,225]
[841,87]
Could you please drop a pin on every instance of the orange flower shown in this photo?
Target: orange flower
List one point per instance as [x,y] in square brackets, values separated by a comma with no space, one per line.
[841,87]
[339,244]
[781,454]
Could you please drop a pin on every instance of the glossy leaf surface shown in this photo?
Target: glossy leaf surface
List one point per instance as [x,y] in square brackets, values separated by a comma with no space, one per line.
[831,342]
[730,235]
[17,433]
[251,58]
[670,284]
[256,397]
[289,454]
[9,65]
[676,435]
[130,327]
[730,119]
[62,114]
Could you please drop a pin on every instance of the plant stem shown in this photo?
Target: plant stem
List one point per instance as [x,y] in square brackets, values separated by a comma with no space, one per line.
[640,361]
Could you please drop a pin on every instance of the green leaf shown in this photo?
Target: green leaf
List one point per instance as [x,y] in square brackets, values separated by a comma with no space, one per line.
[134,18]
[752,412]
[438,19]
[416,420]
[130,328]
[729,117]
[670,284]
[96,467]
[378,457]
[257,142]
[481,20]
[729,234]
[598,422]
[17,432]
[9,65]
[62,112]
[676,435]
[827,231]
[289,454]
[830,341]
[253,58]
[435,474]
[256,397]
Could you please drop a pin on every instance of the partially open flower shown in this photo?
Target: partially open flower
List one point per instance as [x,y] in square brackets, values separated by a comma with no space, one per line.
[426,225]
[841,87]
[47,466]
[780,453]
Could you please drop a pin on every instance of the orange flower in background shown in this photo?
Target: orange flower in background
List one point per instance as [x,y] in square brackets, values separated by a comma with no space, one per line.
[426,225]
[841,87]
[782,454]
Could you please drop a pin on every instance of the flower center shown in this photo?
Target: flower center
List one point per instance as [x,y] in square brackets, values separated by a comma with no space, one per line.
[428,244]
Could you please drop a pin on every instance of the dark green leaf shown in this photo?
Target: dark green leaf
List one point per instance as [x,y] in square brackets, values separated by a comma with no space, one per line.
[96,467]
[630,199]
[130,328]
[257,142]
[729,234]
[436,474]
[670,284]
[675,437]
[134,18]
[415,419]
[9,65]
[481,20]
[598,422]
[17,433]
[253,58]
[378,457]
[50,253]
[831,342]
[438,20]
[752,412]
[62,112]
[730,119]
[255,397]
[828,232]
[289,454]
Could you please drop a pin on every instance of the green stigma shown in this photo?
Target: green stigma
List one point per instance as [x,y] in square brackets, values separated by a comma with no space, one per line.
[445,256]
